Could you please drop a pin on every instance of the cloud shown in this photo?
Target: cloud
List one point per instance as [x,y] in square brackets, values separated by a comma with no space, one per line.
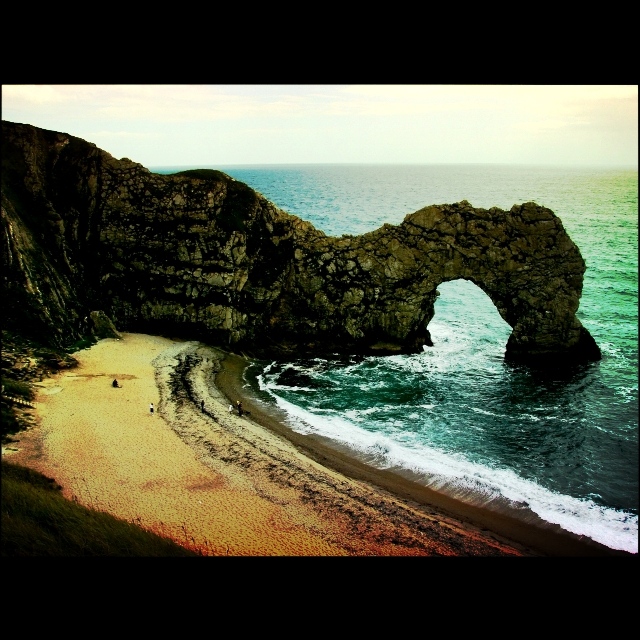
[26,94]
[162,103]
[157,124]
[206,102]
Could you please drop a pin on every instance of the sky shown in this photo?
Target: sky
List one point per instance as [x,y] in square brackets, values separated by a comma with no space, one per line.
[224,125]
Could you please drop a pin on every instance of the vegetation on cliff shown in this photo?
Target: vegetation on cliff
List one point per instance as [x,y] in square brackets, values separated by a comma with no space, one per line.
[24,363]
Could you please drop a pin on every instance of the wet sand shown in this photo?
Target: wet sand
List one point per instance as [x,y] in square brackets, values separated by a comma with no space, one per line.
[244,486]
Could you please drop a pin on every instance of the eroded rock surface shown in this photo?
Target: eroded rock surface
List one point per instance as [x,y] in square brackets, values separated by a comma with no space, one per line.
[202,255]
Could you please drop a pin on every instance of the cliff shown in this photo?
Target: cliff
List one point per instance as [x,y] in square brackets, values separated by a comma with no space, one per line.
[201,255]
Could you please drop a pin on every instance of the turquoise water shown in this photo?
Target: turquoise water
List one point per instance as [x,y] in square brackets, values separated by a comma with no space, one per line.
[560,446]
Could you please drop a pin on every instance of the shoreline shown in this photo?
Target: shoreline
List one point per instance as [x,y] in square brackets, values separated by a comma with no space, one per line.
[542,539]
[230,485]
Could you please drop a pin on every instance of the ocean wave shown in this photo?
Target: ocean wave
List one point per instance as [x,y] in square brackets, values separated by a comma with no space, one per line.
[475,483]
[484,412]
[628,394]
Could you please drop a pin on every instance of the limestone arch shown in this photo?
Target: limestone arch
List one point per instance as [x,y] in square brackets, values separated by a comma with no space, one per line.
[377,291]
[524,261]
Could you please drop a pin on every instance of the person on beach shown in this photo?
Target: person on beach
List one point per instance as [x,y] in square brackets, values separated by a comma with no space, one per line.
[201,405]
[230,408]
[151,408]
[239,404]
[115,384]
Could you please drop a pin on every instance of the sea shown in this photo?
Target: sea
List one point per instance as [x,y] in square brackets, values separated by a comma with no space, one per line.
[557,446]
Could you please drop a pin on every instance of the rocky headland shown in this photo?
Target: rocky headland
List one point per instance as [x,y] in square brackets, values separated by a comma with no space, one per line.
[91,243]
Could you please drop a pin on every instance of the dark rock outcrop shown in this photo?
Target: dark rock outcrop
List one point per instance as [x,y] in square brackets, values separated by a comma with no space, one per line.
[200,254]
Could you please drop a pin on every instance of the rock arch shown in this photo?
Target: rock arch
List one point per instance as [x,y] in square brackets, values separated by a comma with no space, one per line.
[375,293]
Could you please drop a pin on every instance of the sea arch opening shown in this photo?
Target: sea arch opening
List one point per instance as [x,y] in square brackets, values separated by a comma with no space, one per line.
[466,318]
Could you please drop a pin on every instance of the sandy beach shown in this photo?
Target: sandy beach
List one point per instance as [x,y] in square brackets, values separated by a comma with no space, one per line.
[227,485]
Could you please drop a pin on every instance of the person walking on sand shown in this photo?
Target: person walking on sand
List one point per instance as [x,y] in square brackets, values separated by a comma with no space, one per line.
[239,405]
[151,408]
[201,405]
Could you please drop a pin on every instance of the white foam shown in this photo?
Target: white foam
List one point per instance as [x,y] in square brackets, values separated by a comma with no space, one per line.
[484,412]
[477,483]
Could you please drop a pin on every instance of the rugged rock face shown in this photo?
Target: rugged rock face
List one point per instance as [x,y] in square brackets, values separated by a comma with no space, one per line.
[200,254]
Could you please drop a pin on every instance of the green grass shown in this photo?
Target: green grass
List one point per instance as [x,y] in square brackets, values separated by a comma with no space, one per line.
[9,424]
[38,521]
[18,388]
[10,420]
